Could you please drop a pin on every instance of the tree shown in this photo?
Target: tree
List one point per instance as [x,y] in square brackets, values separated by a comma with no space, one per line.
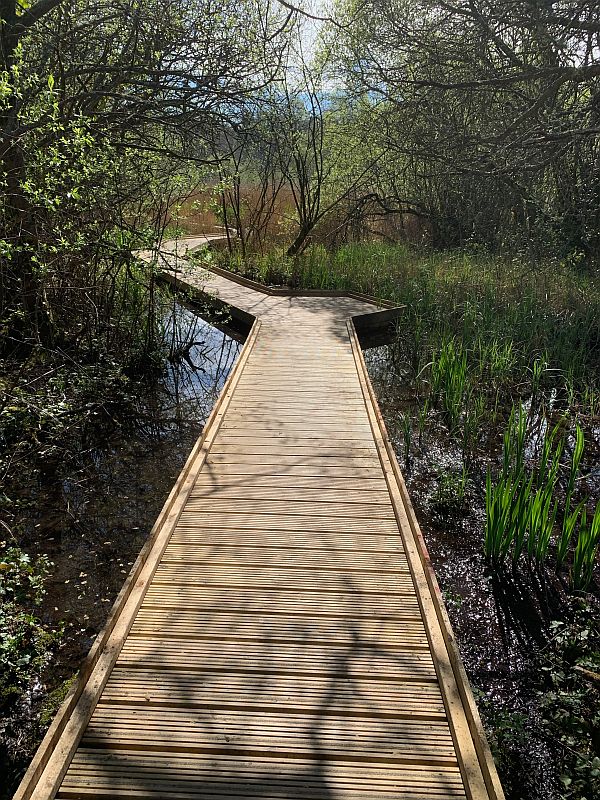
[497,102]
[152,81]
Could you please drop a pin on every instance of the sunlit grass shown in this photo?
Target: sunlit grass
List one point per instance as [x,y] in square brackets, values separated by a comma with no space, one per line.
[479,335]
[517,321]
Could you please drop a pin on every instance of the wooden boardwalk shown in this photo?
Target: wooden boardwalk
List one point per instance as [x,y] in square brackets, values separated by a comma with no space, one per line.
[281,635]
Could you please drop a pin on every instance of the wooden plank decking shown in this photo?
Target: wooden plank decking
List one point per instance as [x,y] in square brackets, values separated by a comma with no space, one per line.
[282,635]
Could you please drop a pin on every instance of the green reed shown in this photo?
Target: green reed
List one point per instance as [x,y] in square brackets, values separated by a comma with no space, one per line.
[584,556]
[569,526]
[500,314]
[449,381]
[520,509]
[538,368]
[569,517]
[506,506]
[472,423]
[513,451]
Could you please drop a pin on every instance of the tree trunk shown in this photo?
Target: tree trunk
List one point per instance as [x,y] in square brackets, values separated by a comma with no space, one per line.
[299,243]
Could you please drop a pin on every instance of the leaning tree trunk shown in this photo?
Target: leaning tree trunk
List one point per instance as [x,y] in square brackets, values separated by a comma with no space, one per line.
[299,243]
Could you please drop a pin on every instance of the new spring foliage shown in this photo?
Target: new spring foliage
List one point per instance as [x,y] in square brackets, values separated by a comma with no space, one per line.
[522,505]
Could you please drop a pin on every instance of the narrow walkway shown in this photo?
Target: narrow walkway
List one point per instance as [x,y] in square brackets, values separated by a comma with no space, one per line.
[283,636]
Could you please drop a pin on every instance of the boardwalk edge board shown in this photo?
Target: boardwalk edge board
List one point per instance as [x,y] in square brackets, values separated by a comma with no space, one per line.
[456,679]
[44,775]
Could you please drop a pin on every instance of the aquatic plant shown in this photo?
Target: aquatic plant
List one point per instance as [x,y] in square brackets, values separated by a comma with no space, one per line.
[521,519]
[521,509]
[449,381]
[541,519]
[570,518]
[538,368]
[513,452]
[452,487]
[584,556]
[590,401]
[506,505]
[569,526]
[472,422]
[499,313]
[494,359]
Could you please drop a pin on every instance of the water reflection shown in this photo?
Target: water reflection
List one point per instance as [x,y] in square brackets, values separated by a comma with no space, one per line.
[199,361]
[94,515]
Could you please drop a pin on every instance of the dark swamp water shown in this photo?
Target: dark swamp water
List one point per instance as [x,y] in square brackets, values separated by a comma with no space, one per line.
[93,519]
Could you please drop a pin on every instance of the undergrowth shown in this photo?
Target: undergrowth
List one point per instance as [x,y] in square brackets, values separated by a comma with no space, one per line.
[570,701]
[26,642]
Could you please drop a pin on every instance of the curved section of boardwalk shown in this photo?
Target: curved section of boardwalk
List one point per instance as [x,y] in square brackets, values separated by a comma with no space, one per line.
[285,640]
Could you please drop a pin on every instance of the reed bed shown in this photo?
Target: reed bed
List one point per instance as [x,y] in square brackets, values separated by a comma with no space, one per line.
[524,504]
[522,326]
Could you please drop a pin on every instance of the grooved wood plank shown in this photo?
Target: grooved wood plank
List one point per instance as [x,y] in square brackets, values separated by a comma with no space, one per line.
[271,554]
[128,773]
[290,522]
[253,492]
[282,438]
[344,486]
[307,508]
[342,738]
[273,657]
[282,460]
[313,540]
[325,469]
[307,580]
[319,430]
[285,600]
[304,540]
[294,694]
[291,452]
[155,621]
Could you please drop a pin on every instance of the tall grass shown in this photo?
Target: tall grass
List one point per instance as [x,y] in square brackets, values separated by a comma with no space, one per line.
[513,451]
[499,310]
[449,381]
[506,506]
[498,334]
[522,505]
[586,548]
[570,517]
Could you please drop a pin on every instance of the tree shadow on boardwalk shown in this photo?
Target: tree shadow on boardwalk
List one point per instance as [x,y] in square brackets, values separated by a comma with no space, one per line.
[281,691]
[268,677]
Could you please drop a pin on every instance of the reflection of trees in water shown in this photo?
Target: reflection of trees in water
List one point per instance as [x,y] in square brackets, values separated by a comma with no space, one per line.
[92,513]
[200,358]
[140,462]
